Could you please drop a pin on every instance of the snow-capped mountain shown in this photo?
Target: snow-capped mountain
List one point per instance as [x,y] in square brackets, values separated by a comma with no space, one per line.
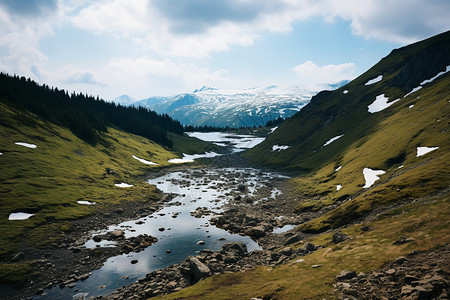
[235,108]
[124,100]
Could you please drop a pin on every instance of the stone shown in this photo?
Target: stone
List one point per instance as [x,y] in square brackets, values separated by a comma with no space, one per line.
[257,231]
[97,238]
[238,247]
[293,239]
[198,269]
[309,247]
[134,261]
[316,266]
[200,243]
[338,237]
[115,234]
[345,275]
[286,251]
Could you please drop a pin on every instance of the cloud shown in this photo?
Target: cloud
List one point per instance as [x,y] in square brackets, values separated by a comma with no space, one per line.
[199,27]
[309,72]
[72,75]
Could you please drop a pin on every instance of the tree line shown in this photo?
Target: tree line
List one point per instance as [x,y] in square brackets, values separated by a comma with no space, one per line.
[87,117]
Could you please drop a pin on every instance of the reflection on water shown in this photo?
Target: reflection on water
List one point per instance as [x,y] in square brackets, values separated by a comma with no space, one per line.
[205,189]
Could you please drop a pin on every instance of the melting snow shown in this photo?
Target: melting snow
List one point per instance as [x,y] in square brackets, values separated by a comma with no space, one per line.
[413,91]
[283,229]
[447,69]
[338,187]
[19,216]
[26,145]
[338,168]
[345,92]
[273,129]
[411,106]
[424,150]
[375,80]
[144,161]
[332,140]
[123,185]
[371,176]
[85,202]
[279,148]
[380,103]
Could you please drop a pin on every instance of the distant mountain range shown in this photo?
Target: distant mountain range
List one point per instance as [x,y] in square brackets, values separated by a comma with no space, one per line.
[232,108]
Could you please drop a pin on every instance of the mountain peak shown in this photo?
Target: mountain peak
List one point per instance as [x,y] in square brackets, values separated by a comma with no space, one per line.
[205,88]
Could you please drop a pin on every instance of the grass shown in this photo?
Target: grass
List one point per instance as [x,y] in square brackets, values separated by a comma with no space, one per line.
[50,179]
[423,220]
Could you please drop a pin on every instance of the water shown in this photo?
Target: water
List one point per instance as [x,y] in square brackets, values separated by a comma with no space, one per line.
[206,189]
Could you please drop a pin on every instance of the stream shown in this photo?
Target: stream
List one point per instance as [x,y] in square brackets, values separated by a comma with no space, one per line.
[182,227]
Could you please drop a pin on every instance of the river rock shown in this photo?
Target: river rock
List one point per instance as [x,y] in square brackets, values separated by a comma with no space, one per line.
[238,247]
[198,269]
[116,234]
[257,231]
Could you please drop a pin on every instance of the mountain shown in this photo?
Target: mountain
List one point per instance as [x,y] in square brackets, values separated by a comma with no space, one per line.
[124,100]
[235,108]
[376,126]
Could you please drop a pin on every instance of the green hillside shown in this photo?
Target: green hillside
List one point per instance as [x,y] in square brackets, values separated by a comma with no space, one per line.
[62,169]
[385,140]
[410,199]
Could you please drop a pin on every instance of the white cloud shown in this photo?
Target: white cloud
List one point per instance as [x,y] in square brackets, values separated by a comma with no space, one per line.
[309,72]
[73,75]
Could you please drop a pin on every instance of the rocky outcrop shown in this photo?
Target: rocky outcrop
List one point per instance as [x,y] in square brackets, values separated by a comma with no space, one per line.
[418,276]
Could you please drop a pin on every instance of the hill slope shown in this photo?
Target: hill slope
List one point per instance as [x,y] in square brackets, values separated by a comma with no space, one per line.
[379,121]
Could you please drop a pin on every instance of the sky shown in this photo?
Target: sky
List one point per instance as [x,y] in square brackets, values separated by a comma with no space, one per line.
[146,48]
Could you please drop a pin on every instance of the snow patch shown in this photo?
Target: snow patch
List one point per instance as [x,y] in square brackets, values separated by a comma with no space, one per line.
[424,150]
[413,91]
[345,92]
[19,216]
[279,147]
[123,185]
[332,140]
[380,103]
[338,187]
[411,106]
[86,203]
[283,229]
[447,69]
[144,161]
[32,146]
[273,129]
[338,168]
[375,80]
[371,176]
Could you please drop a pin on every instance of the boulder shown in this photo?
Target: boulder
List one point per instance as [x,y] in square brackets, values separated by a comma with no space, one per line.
[345,275]
[115,234]
[309,247]
[198,269]
[338,237]
[238,247]
[293,239]
[257,231]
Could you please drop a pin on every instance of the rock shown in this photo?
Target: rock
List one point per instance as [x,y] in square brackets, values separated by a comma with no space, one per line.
[338,237]
[400,260]
[403,240]
[198,269]
[200,243]
[257,231]
[345,275]
[238,247]
[168,251]
[134,261]
[115,234]
[293,239]
[161,229]
[286,251]
[97,238]
[316,266]
[309,247]
[409,278]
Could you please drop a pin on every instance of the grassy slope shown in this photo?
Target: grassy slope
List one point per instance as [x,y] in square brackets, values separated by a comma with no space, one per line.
[385,140]
[50,179]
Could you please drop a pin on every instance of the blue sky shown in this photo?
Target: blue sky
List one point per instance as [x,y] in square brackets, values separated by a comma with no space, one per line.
[145,48]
